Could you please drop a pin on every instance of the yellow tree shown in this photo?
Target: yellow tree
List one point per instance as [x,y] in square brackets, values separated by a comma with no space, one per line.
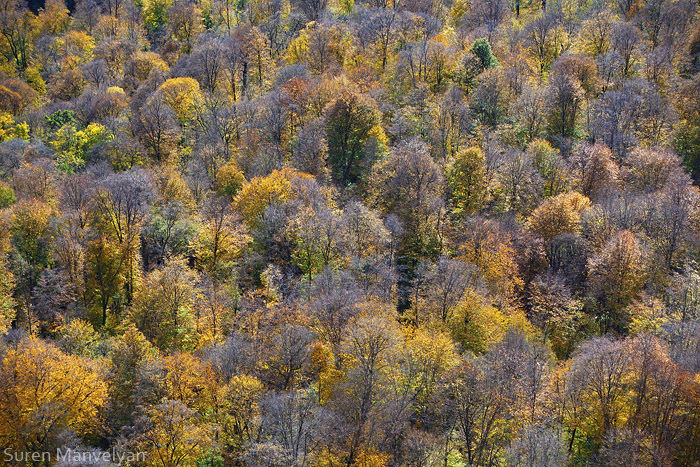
[261,192]
[466,177]
[164,308]
[182,377]
[490,249]
[182,95]
[44,392]
[229,179]
[220,240]
[7,302]
[240,410]
[558,215]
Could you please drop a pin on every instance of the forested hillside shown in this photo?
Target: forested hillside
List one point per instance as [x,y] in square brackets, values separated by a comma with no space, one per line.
[359,233]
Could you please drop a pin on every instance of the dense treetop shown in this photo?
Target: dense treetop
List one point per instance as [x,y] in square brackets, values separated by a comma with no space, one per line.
[382,233]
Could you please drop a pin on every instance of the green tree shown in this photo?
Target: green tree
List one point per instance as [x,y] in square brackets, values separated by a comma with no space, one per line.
[351,122]
[482,50]
[107,270]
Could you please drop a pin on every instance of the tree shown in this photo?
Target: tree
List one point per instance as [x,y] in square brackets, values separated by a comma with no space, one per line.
[207,62]
[7,302]
[45,392]
[594,170]
[132,350]
[565,96]
[474,411]
[289,420]
[164,307]
[333,308]
[168,235]
[54,300]
[17,95]
[488,14]
[616,275]
[551,166]
[466,177]
[370,343]
[450,280]
[491,250]
[184,22]
[558,215]
[363,231]
[518,181]
[597,385]
[544,38]
[351,123]
[668,223]
[288,356]
[316,235]
[596,32]
[261,192]
[491,98]
[182,96]
[482,50]
[74,145]
[32,252]
[219,241]
[311,149]
[171,436]
[537,445]
[156,127]
[529,112]
[17,29]
[121,205]
[409,182]
[557,311]
[651,170]
[229,179]
[625,39]
[107,271]
[313,9]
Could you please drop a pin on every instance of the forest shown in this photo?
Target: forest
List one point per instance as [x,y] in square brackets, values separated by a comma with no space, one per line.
[350,233]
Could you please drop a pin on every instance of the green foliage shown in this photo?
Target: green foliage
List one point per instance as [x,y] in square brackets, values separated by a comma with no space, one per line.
[7,195]
[73,145]
[481,48]
[350,124]
[60,118]
[688,147]
[155,15]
